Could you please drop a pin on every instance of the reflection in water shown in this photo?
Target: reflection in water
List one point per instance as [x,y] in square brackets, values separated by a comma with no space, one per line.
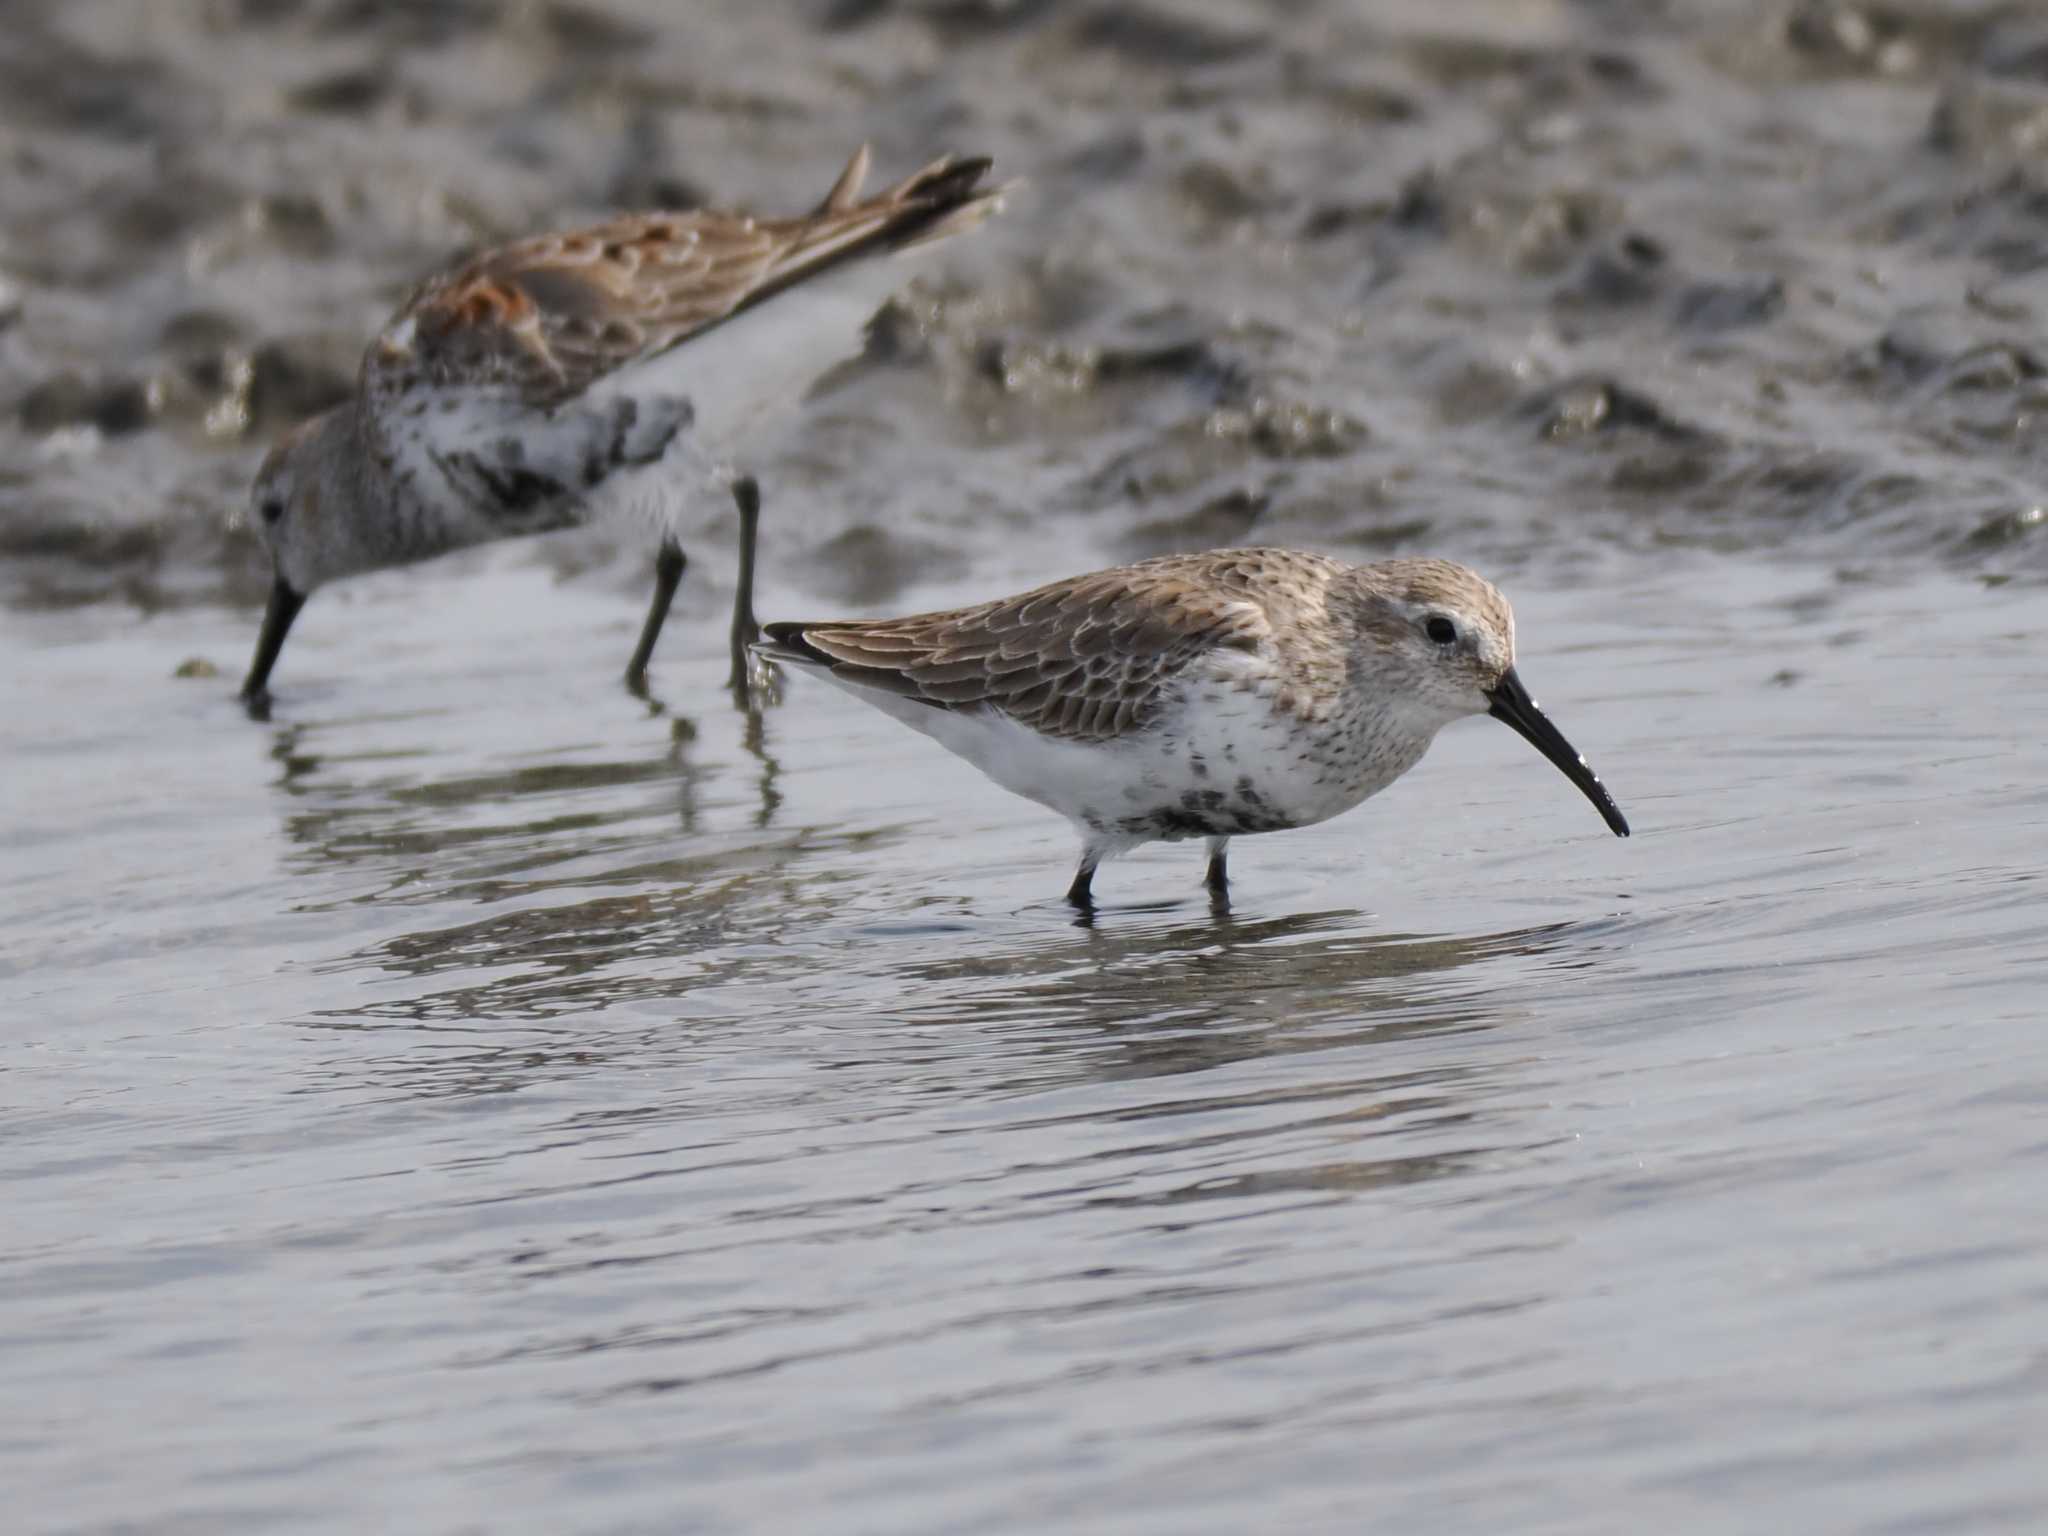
[487,833]
[1155,1001]
[750,701]
[294,764]
[1191,995]
[755,741]
[1181,999]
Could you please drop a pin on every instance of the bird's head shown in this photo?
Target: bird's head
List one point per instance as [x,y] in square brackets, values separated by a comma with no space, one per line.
[1441,639]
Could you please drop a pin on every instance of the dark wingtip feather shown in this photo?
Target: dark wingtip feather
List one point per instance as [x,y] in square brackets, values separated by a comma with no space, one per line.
[946,198]
[947,180]
[786,642]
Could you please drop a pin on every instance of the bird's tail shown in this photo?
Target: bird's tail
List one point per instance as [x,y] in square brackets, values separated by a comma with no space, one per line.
[946,198]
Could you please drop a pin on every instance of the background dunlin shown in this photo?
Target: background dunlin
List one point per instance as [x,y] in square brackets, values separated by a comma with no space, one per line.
[598,371]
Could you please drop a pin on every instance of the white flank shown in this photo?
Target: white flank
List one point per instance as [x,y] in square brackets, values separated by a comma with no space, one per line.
[1222,737]
[742,373]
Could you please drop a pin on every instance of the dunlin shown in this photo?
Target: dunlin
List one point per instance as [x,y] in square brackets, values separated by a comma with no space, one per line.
[1210,695]
[546,383]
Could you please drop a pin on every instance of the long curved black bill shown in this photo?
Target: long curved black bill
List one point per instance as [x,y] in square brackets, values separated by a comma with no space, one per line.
[1512,704]
[277,623]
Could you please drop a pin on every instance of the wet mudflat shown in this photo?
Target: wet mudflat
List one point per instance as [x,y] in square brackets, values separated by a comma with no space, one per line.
[478,1099]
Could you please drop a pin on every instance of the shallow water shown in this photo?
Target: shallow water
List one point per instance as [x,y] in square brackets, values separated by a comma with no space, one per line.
[478,1099]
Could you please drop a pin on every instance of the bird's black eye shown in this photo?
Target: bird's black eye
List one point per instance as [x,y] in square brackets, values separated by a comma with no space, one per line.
[1440,629]
[270,509]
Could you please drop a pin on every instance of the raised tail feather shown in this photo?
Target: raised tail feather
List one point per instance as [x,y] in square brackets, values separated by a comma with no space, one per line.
[949,191]
[947,197]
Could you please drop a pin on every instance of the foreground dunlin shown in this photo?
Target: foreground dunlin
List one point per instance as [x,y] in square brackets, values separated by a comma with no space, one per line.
[1238,691]
[545,383]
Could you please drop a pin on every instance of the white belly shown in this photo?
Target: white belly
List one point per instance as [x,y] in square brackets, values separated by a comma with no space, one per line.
[1222,762]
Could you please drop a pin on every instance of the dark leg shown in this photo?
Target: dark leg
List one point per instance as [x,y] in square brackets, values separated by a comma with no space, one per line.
[277,623]
[1218,878]
[1080,893]
[747,493]
[668,573]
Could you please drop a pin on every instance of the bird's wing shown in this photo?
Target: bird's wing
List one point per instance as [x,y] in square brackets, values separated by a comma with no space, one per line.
[537,322]
[1086,659]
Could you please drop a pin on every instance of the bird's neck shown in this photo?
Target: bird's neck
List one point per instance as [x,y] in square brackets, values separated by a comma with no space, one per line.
[379,517]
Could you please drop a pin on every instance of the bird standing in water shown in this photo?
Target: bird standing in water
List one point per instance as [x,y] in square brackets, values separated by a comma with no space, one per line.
[572,376]
[1210,695]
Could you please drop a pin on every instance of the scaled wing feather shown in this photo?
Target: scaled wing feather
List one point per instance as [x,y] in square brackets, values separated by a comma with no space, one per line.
[1086,659]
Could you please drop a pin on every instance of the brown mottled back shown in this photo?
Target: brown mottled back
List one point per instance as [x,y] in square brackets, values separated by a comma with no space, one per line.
[1085,659]
[542,319]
